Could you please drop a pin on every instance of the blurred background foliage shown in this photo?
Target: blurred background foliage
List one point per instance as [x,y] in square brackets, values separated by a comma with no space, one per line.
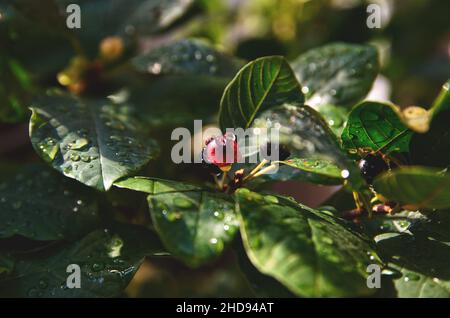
[414,46]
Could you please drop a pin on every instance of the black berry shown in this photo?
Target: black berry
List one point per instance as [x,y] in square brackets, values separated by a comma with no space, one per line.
[371,166]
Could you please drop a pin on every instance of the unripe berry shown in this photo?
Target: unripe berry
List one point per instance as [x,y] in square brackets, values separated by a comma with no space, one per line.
[221,151]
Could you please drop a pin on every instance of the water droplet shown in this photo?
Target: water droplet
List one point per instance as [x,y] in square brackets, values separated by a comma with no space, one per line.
[226,227]
[345,173]
[75,209]
[411,277]
[43,284]
[96,267]
[213,241]
[198,55]
[305,90]
[271,199]
[155,68]
[74,156]
[79,202]
[85,158]
[78,144]
[183,203]
[391,272]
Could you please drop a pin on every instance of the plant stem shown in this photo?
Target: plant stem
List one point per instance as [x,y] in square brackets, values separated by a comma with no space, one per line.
[222,180]
[255,170]
[265,170]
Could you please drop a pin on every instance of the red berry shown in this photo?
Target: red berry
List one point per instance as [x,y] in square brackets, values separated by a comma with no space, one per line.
[221,151]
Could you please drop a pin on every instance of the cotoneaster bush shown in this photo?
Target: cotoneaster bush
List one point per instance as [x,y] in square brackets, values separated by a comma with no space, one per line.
[102,133]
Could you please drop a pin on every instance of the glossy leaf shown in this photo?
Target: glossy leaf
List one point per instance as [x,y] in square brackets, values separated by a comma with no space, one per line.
[323,167]
[339,74]
[93,141]
[376,126]
[416,186]
[423,263]
[307,136]
[186,57]
[335,116]
[310,252]
[260,85]
[263,286]
[108,259]
[195,225]
[154,185]
[40,204]
[325,171]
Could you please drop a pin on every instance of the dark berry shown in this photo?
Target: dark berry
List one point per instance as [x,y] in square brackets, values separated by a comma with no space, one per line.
[371,166]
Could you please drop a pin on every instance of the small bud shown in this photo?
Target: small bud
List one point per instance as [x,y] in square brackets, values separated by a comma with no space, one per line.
[111,48]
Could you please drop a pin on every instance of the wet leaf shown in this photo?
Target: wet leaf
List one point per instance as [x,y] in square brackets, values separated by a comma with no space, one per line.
[40,204]
[420,187]
[108,259]
[195,225]
[376,126]
[311,253]
[93,141]
[186,57]
[339,74]
[259,85]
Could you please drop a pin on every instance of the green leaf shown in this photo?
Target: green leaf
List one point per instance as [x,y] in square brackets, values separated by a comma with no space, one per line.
[339,74]
[263,286]
[108,259]
[325,171]
[335,116]
[93,141]
[258,86]
[417,186]
[423,263]
[376,126]
[311,253]
[187,56]
[40,204]
[307,136]
[154,185]
[322,167]
[442,102]
[194,224]
[433,147]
